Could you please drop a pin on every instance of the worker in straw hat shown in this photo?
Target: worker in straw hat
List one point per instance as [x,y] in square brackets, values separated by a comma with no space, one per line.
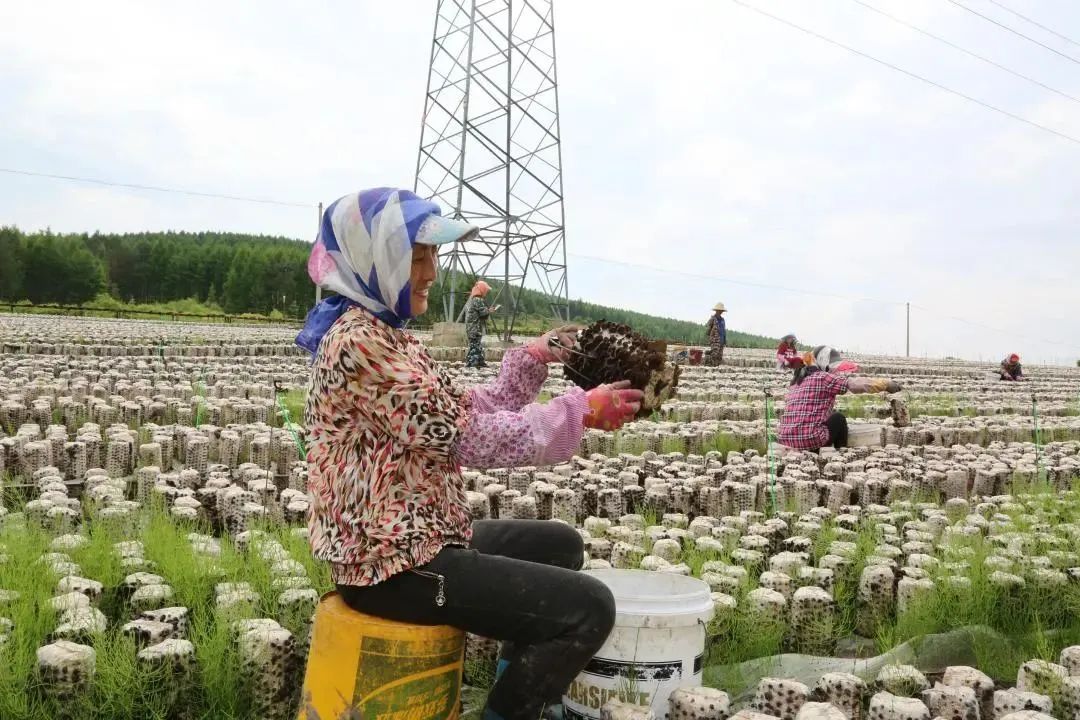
[717,331]
[388,433]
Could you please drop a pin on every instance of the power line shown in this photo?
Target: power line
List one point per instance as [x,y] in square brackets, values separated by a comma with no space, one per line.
[733,281]
[1036,24]
[702,276]
[156,188]
[953,45]
[1014,32]
[910,74]
[1000,331]
[816,293]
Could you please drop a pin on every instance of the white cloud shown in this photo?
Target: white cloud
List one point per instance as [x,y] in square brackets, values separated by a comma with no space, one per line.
[704,139]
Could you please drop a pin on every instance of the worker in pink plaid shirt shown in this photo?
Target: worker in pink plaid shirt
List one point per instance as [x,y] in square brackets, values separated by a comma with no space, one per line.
[810,421]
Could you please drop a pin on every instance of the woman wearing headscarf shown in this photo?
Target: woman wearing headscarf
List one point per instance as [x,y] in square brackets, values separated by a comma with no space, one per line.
[809,420]
[787,353]
[1011,369]
[476,313]
[388,434]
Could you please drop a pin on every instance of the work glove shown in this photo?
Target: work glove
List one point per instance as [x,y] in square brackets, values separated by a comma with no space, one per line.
[555,345]
[611,406]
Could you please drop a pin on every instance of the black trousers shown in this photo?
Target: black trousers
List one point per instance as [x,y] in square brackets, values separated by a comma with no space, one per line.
[516,582]
[838,430]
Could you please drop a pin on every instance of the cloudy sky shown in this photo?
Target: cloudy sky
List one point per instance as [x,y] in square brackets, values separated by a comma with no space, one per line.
[719,147]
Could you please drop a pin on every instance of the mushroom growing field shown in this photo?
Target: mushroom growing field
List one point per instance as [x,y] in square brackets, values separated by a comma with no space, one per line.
[154,560]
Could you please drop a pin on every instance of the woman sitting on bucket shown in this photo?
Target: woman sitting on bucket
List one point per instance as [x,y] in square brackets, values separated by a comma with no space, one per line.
[788,356]
[388,434]
[809,421]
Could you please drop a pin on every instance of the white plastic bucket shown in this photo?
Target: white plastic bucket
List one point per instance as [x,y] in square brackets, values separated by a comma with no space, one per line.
[864,435]
[656,647]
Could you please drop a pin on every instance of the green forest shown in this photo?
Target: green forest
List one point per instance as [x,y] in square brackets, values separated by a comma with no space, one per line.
[208,272]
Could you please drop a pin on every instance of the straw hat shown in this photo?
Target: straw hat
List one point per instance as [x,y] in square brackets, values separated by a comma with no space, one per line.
[719,307]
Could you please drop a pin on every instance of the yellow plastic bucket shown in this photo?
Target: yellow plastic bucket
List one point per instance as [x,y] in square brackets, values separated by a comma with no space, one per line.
[363,666]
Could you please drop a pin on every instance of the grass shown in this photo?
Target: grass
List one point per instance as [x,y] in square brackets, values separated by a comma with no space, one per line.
[650,514]
[725,443]
[33,619]
[694,558]
[856,406]
[672,444]
[199,389]
[188,309]
[629,685]
[123,688]
[1002,628]
[1029,621]
[871,406]
[295,400]
[289,414]
[627,443]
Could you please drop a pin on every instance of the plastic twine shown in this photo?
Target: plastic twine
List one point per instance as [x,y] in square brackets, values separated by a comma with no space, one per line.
[289,425]
[769,445]
[1038,437]
[200,394]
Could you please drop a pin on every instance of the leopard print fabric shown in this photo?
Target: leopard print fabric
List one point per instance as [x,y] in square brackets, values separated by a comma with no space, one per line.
[385,485]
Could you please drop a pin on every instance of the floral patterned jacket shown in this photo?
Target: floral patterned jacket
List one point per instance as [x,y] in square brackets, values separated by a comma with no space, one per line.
[388,433]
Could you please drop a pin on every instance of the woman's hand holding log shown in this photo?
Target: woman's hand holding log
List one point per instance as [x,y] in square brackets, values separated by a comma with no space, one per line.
[554,345]
[611,406]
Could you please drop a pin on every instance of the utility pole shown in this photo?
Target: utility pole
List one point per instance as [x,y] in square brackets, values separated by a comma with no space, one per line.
[490,150]
[318,227]
[908,343]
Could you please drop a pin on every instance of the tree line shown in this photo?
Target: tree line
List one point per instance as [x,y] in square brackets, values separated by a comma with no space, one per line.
[535,315]
[234,273]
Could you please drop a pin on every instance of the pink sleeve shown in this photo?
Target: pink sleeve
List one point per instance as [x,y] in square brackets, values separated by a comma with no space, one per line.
[518,383]
[545,434]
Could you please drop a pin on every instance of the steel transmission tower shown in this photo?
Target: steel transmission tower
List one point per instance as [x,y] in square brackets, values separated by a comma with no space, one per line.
[490,153]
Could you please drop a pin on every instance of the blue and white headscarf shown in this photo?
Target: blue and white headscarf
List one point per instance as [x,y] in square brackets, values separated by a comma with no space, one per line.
[364,254]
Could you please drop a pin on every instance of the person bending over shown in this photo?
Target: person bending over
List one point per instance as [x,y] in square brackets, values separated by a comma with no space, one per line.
[1010,368]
